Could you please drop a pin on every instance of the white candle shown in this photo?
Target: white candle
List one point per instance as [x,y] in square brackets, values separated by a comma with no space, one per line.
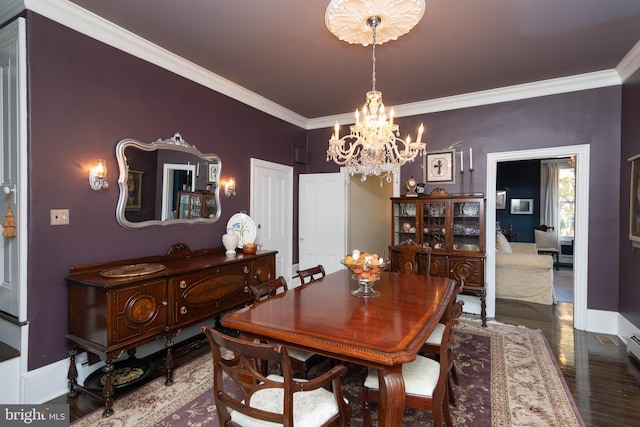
[461,162]
[470,158]
[420,131]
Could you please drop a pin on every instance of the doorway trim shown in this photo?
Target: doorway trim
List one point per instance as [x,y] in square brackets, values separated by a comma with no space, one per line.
[581,251]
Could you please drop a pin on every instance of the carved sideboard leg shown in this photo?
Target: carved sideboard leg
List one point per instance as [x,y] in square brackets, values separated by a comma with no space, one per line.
[107,390]
[72,375]
[168,365]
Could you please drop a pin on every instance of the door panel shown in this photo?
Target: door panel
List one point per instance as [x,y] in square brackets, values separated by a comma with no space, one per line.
[272,211]
[322,220]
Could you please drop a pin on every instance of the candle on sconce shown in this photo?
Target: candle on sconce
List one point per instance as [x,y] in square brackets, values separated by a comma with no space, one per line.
[470,158]
[461,162]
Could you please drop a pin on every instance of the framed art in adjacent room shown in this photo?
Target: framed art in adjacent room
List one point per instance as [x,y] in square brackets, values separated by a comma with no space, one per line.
[521,207]
[501,199]
[439,167]
[634,205]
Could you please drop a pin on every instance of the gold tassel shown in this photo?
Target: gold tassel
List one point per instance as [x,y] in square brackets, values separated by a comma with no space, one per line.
[9,224]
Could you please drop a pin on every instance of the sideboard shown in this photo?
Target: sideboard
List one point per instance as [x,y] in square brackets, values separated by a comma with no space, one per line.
[117,306]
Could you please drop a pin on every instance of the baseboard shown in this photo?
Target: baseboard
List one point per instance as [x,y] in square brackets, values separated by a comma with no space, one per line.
[626,328]
[602,322]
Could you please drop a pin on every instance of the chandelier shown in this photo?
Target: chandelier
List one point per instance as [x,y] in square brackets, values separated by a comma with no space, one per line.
[373,145]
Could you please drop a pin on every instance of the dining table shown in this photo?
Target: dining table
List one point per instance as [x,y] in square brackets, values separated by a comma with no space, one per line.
[383,332]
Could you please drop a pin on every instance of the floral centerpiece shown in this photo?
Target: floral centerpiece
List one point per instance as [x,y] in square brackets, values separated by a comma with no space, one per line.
[365,269]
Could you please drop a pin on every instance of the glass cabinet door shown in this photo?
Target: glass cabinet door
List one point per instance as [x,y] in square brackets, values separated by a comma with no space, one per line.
[434,223]
[196,206]
[404,222]
[210,206]
[183,205]
[467,226]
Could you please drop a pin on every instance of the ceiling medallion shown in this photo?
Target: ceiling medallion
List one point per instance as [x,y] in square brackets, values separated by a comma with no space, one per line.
[347,19]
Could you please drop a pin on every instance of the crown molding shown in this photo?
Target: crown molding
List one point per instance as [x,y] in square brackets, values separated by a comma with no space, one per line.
[10,9]
[94,26]
[493,96]
[630,63]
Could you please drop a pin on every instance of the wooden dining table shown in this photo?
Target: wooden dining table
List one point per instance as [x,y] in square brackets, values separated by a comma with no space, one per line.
[382,332]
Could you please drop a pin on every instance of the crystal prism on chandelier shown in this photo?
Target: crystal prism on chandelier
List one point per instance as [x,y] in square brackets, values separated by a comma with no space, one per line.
[373,145]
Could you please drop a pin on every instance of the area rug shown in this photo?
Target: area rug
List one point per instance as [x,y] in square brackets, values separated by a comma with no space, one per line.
[507,377]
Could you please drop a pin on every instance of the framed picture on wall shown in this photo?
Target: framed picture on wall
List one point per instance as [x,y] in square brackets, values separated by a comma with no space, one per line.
[521,207]
[134,191]
[439,167]
[501,199]
[634,205]
[212,173]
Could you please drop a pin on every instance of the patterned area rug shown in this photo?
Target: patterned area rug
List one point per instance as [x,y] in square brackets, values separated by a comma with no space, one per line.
[507,377]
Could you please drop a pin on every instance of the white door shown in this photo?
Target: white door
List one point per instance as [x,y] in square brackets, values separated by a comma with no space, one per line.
[12,166]
[322,220]
[272,210]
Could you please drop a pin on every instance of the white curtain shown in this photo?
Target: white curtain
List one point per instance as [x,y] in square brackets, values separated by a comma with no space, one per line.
[549,200]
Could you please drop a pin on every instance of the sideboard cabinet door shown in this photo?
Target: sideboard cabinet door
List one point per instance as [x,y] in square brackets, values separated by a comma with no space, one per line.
[138,311]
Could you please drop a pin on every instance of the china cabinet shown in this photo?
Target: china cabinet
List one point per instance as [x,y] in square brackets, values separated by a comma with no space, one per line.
[117,306]
[198,204]
[453,226]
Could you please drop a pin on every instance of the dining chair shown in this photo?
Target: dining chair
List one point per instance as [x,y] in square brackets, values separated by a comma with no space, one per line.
[409,257]
[311,274]
[248,398]
[268,289]
[433,344]
[425,382]
[301,360]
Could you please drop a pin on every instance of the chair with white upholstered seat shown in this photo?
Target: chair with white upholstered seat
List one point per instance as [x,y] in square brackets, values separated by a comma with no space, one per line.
[264,400]
[425,383]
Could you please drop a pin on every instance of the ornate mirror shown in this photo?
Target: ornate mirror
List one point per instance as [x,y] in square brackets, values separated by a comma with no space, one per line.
[166,182]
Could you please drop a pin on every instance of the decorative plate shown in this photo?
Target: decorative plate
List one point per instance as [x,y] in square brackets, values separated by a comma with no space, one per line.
[244,227]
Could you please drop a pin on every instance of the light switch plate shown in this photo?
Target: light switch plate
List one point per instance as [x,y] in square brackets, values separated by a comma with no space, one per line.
[59,216]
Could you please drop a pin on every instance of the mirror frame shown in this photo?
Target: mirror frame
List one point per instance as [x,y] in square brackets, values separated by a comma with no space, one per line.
[175,143]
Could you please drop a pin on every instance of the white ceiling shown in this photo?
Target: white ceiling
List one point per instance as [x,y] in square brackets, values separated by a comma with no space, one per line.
[282,51]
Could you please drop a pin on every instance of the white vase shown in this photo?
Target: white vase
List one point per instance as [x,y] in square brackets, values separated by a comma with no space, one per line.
[230,241]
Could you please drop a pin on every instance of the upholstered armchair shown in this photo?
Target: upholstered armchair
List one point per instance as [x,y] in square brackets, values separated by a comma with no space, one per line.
[522,274]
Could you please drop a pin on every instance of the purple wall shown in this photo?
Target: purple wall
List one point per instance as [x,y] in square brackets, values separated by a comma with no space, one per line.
[629,257]
[586,117]
[84,98]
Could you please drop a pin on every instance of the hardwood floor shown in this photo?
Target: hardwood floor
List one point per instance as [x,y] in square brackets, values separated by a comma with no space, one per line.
[603,380]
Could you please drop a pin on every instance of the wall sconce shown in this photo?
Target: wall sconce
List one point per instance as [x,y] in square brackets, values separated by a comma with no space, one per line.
[230,187]
[97,176]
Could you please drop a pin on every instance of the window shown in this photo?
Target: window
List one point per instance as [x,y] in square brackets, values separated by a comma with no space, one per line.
[566,199]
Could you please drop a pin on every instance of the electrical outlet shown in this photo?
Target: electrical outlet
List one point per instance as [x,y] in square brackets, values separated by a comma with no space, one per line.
[59,216]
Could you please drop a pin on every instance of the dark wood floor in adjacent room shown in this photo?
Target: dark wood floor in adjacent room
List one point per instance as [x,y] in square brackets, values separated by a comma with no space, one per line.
[603,379]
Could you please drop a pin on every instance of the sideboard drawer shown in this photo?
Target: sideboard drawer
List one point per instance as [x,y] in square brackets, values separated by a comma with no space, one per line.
[204,294]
